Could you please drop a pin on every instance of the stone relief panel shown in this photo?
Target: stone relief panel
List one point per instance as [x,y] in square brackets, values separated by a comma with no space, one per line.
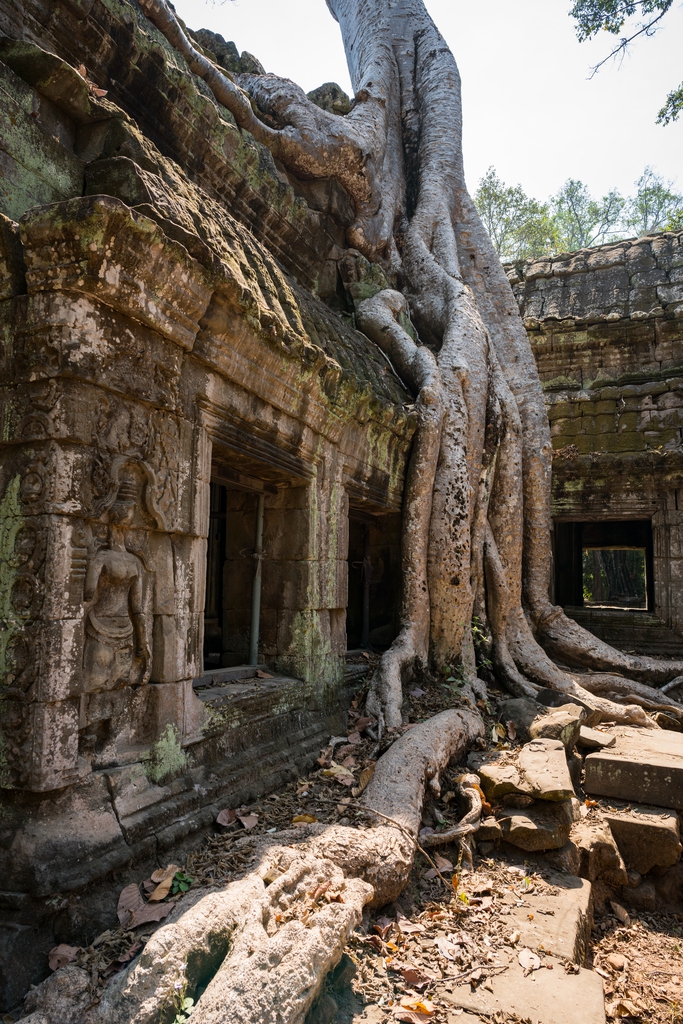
[89,605]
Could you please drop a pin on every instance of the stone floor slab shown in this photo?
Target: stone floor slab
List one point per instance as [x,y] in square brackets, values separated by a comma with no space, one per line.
[561,919]
[544,997]
[644,766]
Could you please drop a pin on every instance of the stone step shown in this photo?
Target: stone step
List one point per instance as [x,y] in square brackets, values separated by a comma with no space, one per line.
[647,837]
[644,766]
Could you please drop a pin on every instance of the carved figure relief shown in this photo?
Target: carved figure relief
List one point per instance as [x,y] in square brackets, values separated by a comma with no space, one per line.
[117,650]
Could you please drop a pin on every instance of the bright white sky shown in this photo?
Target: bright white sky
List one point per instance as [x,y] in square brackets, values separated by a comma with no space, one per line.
[529,108]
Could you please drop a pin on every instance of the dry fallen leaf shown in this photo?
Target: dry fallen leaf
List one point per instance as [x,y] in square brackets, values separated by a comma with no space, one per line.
[446,947]
[406,926]
[117,965]
[383,926]
[623,1008]
[130,900]
[621,914]
[511,730]
[151,912]
[164,880]
[424,1007]
[529,960]
[62,955]
[442,863]
[248,820]
[415,977]
[303,819]
[226,816]
[339,774]
[365,777]
[353,737]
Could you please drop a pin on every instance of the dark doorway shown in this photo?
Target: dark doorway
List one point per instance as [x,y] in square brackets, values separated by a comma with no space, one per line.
[373,610]
[215,558]
[604,564]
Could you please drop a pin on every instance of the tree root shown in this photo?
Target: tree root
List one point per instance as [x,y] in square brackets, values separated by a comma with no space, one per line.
[266,942]
[468,787]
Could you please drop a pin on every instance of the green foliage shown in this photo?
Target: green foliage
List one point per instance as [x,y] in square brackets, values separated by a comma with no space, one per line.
[593,16]
[672,107]
[521,227]
[655,206]
[581,221]
[184,1012]
[181,882]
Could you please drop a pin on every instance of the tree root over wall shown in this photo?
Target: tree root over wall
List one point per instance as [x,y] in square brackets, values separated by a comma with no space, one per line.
[476,511]
[476,514]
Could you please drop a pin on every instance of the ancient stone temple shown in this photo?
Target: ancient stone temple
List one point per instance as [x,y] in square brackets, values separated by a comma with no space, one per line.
[202,460]
[180,367]
[606,326]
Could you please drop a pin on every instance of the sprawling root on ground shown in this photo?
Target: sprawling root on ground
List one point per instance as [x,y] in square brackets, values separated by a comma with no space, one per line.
[267,941]
[476,521]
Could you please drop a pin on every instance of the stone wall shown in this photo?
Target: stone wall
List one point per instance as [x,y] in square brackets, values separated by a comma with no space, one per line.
[606,326]
[163,329]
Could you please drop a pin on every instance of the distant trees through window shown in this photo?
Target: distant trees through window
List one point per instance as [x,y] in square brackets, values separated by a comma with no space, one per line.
[614,577]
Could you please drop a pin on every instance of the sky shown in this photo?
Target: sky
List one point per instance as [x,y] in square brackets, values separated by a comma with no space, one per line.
[530,108]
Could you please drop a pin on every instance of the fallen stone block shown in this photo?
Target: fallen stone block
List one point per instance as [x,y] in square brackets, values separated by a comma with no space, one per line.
[543,764]
[538,770]
[62,997]
[644,765]
[555,699]
[499,779]
[593,739]
[669,888]
[489,831]
[563,724]
[643,897]
[566,860]
[545,826]
[599,853]
[647,837]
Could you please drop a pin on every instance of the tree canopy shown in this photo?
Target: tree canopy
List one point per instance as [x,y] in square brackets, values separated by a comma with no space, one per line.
[521,227]
[593,16]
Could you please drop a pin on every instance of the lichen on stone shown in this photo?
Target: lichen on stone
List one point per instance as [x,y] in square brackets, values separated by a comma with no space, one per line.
[166,759]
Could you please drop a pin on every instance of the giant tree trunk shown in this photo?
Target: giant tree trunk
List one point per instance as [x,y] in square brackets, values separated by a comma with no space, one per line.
[476,523]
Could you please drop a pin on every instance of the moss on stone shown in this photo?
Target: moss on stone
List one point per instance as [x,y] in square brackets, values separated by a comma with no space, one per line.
[166,759]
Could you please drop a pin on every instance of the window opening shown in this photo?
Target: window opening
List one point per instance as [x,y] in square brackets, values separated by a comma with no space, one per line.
[604,564]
